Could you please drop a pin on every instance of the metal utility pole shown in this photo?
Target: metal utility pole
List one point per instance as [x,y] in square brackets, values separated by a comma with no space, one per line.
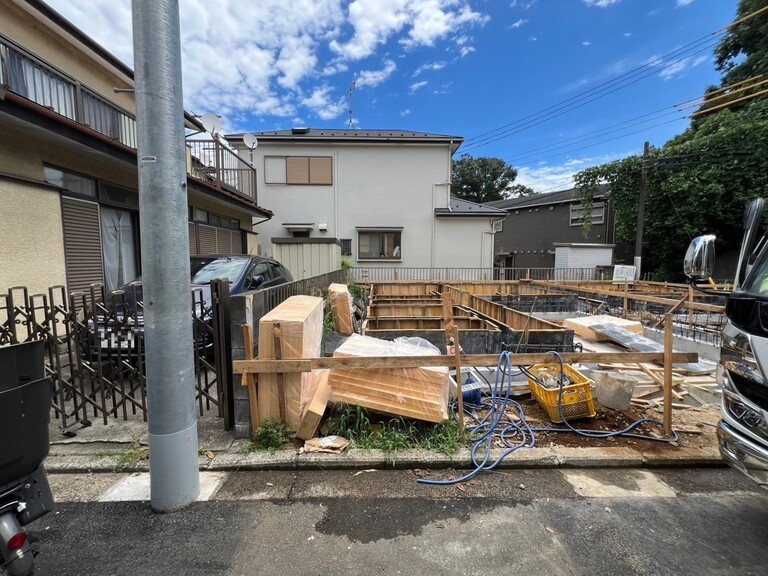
[173,445]
[641,210]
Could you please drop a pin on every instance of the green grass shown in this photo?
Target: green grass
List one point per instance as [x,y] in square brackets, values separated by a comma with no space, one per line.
[368,431]
[270,436]
[126,459]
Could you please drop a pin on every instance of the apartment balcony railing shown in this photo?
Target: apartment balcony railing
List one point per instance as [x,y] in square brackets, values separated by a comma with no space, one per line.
[22,73]
[28,76]
[212,161]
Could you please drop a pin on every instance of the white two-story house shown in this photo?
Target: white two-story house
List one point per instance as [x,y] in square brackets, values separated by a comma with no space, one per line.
[378,197]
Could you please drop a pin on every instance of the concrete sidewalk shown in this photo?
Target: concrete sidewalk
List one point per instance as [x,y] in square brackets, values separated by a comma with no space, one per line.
[122,447]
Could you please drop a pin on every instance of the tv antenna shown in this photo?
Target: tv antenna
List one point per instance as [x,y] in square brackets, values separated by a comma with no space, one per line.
[350,92]
[211,123]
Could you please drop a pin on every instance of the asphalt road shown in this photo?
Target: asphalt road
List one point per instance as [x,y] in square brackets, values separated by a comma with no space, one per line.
[532,522]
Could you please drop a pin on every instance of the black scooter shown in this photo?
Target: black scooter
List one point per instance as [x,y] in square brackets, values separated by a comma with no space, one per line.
[25,410]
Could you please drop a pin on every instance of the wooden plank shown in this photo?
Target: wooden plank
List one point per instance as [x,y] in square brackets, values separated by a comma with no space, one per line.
[249,380]
[341,308]
[271,366]
[299,320]
[459,391]
[417,392]
[315,407]
[582,326]
[667,420]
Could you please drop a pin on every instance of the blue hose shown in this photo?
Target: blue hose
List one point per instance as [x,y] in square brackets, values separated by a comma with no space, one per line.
[516,434]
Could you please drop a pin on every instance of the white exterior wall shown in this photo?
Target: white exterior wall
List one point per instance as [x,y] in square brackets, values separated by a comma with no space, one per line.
[464,242]
[377,186]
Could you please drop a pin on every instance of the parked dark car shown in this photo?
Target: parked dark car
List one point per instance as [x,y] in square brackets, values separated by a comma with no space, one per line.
[115,330]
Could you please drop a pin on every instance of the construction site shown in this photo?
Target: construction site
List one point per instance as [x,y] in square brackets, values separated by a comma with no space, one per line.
[537,361]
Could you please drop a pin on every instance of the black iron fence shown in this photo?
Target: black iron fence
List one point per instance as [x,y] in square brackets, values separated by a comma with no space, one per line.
[95,349]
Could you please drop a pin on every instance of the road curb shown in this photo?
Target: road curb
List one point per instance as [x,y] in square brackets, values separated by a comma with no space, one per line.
[357,459]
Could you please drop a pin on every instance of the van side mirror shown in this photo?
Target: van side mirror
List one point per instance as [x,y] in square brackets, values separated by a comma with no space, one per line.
[699,263]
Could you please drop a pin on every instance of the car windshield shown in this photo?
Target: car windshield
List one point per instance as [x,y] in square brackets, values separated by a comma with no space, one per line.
[206,269]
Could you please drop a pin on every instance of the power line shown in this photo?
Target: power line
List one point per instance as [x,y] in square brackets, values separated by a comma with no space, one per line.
[603,89]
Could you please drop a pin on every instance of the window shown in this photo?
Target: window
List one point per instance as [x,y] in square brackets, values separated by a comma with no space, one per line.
[307,170]
[346,247]
[379,245]
[217,220]
[74,183]
[577,214]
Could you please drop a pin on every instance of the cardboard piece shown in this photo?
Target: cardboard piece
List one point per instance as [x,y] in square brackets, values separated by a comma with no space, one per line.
[341,307]
[291,331]
[314,406]
[333,444]
[418,393]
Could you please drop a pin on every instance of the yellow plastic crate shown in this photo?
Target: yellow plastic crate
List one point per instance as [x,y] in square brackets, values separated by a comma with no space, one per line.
[577,396]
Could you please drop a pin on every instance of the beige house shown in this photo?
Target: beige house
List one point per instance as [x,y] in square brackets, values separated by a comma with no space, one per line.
[378,197]
[68,177]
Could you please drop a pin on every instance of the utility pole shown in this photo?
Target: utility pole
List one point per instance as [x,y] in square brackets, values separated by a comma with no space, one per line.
[641,210]
[173,446]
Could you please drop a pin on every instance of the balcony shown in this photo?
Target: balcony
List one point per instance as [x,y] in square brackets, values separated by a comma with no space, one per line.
[217,164]
[24,74]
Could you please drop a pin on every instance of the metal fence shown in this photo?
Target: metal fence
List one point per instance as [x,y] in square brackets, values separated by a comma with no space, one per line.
[314,286]
[395,273]
[95,349]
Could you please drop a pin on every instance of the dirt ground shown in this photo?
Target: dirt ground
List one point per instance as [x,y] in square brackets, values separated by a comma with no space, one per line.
[695,427]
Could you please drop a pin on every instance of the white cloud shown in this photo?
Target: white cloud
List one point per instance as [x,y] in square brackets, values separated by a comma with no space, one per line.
[417,85]
[601,3]
[543,177]
[519,23]
[532,38]
[627,34]
[429,66]
[406,112]
[677,68]
[372,78]
[684,2]
[522,5]
[586,43]
[271,57]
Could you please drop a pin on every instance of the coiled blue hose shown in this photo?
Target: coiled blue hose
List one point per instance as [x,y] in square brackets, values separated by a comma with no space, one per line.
[516,434]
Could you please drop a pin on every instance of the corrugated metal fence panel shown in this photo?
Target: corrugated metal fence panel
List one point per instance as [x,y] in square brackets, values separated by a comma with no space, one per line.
[82,243]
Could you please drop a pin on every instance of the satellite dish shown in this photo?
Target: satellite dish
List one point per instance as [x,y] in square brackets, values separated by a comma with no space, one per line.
[250,141]
[211,122]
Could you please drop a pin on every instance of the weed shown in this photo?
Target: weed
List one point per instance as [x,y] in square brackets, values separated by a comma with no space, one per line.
[328,325]
[271,436]
[356,290]
[368,431]
[346,263]
[127,459]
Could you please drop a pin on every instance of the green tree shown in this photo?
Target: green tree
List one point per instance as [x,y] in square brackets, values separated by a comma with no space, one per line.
[700,181]
[481,179]
[743,51]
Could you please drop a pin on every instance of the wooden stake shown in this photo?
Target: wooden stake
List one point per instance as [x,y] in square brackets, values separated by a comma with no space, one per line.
[249,379]
[277,333]
[460,392]
[667,421]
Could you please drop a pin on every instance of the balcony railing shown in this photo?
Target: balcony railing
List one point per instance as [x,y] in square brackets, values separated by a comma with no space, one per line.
[28,76]
[212,161]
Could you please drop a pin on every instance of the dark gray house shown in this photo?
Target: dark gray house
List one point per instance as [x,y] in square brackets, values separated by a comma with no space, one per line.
[536,225]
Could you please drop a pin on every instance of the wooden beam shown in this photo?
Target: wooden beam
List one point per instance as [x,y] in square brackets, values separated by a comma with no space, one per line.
[459,391]
[667,420]
[249,379]
[308,364]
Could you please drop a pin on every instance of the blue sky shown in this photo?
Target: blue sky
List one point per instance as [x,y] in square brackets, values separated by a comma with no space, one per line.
[550,86]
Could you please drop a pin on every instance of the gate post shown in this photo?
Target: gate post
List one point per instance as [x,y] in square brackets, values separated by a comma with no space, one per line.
[222,346]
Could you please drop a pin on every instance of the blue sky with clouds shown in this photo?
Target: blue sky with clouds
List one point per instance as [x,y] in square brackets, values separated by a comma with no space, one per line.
[550,86]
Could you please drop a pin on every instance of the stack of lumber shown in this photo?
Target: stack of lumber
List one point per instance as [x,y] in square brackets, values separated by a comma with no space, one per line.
[291,331]
[341,307]
[582,326]
[418,393]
